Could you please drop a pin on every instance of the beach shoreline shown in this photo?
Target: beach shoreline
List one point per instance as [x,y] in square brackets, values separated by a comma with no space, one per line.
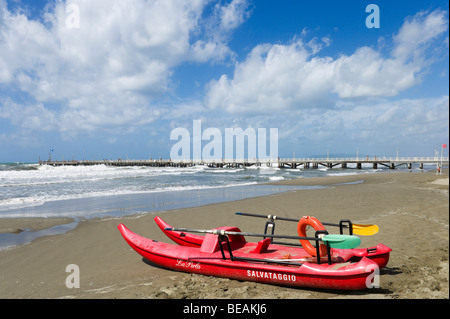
[411,210]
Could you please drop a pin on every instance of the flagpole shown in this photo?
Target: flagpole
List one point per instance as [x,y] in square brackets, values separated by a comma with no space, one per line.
[442,157]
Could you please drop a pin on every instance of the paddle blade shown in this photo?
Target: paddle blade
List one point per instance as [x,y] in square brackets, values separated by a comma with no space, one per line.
[365,230]
[342,241]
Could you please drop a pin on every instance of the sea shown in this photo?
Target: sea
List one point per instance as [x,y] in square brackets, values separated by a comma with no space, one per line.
[86,192]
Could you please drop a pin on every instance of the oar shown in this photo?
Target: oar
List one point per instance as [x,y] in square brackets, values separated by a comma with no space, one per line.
[358,229]
[335,241]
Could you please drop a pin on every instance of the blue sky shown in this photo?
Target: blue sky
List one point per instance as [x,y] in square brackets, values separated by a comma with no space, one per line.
[112,78]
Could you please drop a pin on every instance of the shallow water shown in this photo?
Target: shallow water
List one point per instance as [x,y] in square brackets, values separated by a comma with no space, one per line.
[27,235]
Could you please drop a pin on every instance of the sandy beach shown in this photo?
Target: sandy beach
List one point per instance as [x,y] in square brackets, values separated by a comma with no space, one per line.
[411,210]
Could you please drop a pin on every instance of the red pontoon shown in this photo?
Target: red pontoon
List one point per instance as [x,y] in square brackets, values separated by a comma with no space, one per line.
[233,257]
[379,254]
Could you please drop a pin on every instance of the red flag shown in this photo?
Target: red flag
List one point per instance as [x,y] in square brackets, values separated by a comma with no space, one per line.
[444,145]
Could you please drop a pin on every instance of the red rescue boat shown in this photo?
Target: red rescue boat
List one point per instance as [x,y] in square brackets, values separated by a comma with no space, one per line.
[379,254]
[233,257]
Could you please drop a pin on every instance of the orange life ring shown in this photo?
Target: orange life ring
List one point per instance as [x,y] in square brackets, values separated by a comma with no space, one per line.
[301,230]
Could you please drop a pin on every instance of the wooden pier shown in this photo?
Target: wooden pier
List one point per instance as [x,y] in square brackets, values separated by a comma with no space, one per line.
[367,162]
[288,163]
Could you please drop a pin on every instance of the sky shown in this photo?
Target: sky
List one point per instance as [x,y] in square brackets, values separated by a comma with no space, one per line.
[109,79]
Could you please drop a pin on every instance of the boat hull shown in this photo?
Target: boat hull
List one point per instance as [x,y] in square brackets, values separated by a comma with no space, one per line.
[379,254]
[208,260]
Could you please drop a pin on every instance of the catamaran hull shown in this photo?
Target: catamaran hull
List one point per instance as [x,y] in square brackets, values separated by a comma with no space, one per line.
[379,254]
[346,276]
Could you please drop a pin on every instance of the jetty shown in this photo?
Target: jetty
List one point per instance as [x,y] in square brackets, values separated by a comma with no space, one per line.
[288,163]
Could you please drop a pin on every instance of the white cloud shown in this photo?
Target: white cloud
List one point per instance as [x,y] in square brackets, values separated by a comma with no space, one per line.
[233,14]
[273,77]
[202,51]
[374,126]
[217,28]
[416,34]
[366,73]
[29,117]
[112,68]
[294,76]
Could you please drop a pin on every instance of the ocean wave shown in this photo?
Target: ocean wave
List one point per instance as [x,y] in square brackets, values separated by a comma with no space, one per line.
[38,200]
[18,167]
[47,175]
[276,178]
[19,202]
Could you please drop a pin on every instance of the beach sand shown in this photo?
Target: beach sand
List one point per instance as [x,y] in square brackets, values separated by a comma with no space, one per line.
[411,210]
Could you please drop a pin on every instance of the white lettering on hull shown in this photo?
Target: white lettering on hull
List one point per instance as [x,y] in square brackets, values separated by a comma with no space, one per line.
[270,275]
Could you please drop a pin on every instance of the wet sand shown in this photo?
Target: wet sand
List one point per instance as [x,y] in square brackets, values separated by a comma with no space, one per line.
[411,210]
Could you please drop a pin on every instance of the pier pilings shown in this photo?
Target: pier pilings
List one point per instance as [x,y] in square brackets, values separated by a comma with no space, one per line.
[288,163]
